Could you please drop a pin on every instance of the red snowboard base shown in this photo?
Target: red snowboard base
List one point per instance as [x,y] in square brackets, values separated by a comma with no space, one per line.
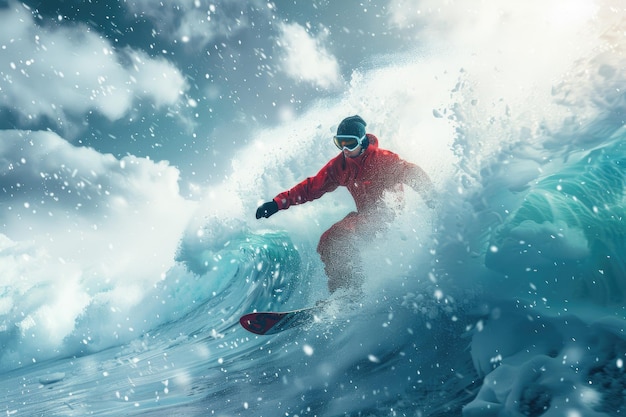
[269,322]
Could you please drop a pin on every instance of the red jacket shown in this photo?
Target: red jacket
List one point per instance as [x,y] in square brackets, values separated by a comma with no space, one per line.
[366,177]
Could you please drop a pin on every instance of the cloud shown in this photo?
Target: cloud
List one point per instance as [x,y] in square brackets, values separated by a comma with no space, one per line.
[197,22]
[80,204]
[79,227]
[306,59]
[70,71]
[490,30]
[47,184]
[155,78]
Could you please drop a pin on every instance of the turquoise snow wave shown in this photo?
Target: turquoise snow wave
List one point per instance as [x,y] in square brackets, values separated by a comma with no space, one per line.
[568,236]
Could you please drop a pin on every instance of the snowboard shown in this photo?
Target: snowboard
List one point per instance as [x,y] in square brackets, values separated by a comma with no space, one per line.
[270,322]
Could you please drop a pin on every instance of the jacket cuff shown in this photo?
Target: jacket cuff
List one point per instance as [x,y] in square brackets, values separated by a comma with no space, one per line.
[281,202]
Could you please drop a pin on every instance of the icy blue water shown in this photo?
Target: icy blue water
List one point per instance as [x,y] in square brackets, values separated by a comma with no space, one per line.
[124,275]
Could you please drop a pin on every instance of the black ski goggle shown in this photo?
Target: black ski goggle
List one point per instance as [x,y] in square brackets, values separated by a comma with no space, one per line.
[348,142]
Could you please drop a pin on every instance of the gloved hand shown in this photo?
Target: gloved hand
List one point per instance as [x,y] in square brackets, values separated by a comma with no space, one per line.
[267,209]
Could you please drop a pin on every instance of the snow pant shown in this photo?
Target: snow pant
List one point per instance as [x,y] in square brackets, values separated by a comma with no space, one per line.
[339,248]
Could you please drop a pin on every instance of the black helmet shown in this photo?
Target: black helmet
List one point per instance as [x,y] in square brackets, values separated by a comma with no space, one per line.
[353,126]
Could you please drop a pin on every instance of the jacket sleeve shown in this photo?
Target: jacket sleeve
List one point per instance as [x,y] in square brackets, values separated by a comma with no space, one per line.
[310,189]
[418,179]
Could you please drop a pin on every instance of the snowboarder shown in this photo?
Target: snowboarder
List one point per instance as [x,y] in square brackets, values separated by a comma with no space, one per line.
[368,172]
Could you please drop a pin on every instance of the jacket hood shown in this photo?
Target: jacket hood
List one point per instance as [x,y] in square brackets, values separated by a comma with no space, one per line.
[373,141]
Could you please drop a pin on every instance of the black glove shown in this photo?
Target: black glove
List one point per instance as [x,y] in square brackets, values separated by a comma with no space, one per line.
[267,209]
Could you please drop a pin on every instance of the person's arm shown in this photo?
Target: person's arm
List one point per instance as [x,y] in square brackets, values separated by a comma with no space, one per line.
[419,180]
[310,189]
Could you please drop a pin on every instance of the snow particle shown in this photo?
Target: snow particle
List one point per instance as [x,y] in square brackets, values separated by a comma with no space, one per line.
[373,358]
[480,326]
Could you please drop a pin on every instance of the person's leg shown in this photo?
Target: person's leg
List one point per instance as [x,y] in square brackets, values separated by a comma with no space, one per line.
[341,255]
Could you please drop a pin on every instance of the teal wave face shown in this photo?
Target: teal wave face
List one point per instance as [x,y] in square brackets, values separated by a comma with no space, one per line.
[571,226]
